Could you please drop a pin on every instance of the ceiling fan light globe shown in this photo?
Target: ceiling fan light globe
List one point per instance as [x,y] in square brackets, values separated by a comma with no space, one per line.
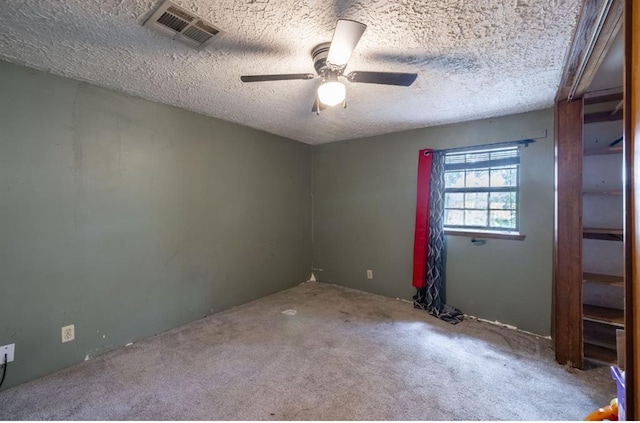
[332,93]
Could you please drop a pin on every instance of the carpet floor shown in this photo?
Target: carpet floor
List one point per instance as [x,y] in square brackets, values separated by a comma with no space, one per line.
[343,355]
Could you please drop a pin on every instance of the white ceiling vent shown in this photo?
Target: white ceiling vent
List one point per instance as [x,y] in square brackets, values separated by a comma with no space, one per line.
[175,22]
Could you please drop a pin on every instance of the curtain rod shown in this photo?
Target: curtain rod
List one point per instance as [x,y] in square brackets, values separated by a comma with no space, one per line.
[525,142]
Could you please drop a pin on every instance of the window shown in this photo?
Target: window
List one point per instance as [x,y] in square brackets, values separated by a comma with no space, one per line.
[482,189]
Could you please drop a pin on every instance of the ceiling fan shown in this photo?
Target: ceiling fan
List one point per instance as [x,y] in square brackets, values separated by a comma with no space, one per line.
[330,61]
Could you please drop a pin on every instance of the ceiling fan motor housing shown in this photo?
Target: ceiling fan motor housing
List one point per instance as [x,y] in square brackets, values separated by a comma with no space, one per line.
[319,55]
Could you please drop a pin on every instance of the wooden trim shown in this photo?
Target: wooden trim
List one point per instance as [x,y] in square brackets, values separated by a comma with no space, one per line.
[632,193]
[602,117]
[567,271]
[481,235]
[610,28]
[587,21]
[579,52]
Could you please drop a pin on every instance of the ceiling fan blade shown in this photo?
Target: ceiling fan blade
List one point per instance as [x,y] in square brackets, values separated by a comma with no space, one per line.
[317,106]
[385,78]
[281,77]
[345,38]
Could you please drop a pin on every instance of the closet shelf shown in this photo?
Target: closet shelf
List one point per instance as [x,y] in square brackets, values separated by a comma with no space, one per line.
[594,192]
[607,234]
[600,151]
[602,197]
[600,343]
[602,334]
[603,279]
[606,315]
[599,353]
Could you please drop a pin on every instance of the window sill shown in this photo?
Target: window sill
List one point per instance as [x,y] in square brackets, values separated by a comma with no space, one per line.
[480,234]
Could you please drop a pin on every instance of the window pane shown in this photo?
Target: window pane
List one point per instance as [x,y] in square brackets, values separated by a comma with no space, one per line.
[502,219]
[475,217]
[472,179]
[504,177]
[453,200]
[454,179]
[478,178]
[453,217]
[502,200]
[476,200]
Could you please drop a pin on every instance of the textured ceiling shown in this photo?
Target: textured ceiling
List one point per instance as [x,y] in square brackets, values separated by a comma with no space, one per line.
[474,58]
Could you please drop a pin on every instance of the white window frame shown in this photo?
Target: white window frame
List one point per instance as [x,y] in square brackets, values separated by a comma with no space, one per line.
[481,158]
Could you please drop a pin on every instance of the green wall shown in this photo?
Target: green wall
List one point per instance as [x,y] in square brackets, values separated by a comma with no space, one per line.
[364,198]
[128,218]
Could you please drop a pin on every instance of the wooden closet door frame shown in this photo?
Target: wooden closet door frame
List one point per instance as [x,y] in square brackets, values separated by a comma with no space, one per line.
[567,265]
[599,21]
[632,194]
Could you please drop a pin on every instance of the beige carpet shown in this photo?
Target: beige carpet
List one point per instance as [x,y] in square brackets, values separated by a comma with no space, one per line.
[343,355]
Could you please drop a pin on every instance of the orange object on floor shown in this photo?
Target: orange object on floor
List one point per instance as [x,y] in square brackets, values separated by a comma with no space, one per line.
[610,412]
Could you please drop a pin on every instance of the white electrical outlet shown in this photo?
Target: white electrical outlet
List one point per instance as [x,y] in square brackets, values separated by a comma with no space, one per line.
[369,274]
[68,333]
[9,350]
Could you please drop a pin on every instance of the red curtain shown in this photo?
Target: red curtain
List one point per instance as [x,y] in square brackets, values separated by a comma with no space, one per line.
[421,237]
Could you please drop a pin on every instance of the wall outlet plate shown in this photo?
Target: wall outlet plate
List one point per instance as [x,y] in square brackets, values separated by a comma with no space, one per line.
[9,350]
[369,274]
[68,333]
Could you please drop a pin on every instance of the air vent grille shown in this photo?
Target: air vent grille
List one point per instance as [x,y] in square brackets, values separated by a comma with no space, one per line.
[181,25]
[197,34]
[170,21]
[184,15]
[207,28]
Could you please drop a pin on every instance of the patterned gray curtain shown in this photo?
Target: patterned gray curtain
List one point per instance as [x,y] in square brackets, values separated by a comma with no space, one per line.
[431,297]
